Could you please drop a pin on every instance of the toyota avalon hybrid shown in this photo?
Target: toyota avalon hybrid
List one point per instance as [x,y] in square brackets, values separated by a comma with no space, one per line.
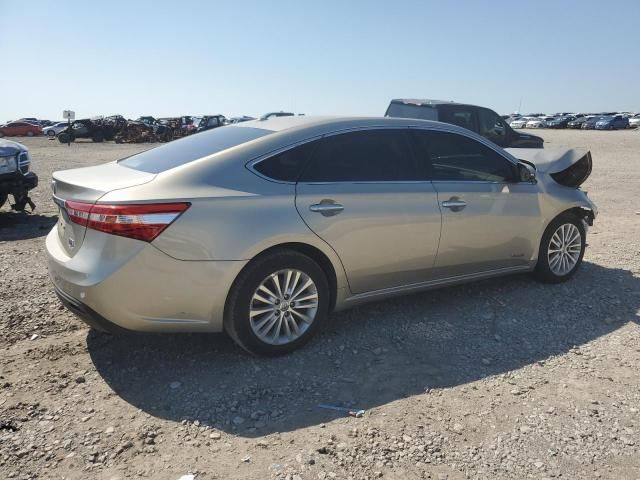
[263,228]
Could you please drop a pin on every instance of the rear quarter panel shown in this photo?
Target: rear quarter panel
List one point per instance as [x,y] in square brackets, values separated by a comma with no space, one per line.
[234,217]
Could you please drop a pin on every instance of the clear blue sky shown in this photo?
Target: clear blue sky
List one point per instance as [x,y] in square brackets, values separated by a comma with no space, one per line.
[317,57]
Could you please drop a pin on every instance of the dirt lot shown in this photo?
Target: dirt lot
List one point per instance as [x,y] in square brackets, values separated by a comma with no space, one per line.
[499,379]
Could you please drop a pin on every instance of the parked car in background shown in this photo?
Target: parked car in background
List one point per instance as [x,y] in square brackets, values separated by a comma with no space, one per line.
[269,115]
[19,129]
[519,122]
[560,122]
[32,120]
[16,179]
[616,122]
[634,122]
[536,123]
[170,241]
[97,129]
[243,118]
[208,122]
[147,120]
[590,123]
[577,122]
[480,120]
[55,129]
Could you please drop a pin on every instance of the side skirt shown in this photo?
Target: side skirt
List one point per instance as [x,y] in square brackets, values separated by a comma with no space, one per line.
[353,300]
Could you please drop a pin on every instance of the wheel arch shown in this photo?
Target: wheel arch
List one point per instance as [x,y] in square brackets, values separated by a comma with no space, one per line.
[317,255]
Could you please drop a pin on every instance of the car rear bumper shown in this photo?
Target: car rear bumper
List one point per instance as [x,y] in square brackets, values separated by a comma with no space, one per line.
[87,315]
[141,290]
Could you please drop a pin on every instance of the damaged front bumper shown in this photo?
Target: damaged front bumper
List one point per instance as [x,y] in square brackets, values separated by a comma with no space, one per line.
[18,185]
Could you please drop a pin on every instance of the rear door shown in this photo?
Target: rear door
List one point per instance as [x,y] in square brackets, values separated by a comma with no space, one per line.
[360,193]
[489,221]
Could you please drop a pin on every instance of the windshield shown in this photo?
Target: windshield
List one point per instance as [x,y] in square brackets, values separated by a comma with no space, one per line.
[403,110]
[183,151]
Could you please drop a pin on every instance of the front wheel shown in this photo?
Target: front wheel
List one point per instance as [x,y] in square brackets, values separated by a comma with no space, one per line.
[277,303]
[561,249]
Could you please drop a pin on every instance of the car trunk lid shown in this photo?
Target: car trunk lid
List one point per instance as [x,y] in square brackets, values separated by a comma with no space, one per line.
[87,186]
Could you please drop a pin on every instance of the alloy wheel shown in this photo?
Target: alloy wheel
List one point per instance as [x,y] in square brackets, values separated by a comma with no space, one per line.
[564,249]
[283,307]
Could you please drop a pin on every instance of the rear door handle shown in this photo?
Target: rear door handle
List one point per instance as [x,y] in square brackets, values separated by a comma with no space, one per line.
[327,208]
[454,205]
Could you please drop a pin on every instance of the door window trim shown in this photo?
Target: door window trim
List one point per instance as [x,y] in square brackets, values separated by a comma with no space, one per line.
[252,163]
[428,128]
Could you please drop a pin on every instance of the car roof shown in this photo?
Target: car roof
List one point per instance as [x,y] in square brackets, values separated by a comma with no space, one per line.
[324,124]
[425,101]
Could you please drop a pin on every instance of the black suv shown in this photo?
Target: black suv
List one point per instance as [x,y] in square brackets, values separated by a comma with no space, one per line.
[480,120]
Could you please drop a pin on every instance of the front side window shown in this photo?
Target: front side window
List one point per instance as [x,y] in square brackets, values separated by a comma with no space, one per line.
[458,115]
[491,126]
[363,156]
[456,158]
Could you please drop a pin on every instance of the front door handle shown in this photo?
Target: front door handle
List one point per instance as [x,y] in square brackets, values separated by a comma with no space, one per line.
[327,208]
[454,205]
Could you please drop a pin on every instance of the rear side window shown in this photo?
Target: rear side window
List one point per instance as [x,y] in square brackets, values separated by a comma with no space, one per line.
[362,156]
[286,166]
[452,157]
[185,150]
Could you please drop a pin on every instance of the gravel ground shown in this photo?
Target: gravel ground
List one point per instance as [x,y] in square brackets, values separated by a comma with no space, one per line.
[504,378]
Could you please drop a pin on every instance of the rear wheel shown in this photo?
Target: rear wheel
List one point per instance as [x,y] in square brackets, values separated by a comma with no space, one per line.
[29,134]
[277,303]
[64,137]
[561,249]
[98,137]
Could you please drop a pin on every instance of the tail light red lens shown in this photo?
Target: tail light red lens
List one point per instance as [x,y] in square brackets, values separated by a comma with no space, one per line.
[142,222]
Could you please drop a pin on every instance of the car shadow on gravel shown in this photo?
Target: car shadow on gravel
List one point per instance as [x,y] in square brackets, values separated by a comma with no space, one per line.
[369,356]
[21,226]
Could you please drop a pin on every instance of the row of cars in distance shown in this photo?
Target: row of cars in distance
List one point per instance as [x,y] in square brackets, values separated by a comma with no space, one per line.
[30,126]
[600,121]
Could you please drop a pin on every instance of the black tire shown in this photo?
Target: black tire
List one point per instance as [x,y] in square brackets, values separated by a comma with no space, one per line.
[236,318]
[543,271]
[98,137]
[64,137]
[3,198]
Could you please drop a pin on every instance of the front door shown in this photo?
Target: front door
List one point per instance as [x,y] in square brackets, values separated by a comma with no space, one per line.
[489,220]
[361,194]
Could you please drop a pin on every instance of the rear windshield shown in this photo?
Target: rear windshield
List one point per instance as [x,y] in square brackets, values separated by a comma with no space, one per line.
[402,110]
[183,151]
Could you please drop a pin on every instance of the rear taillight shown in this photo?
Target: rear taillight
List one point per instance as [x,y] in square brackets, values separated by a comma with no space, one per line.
[142,222]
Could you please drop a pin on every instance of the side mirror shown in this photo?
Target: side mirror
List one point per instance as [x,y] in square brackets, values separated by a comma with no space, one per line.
[526,173]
